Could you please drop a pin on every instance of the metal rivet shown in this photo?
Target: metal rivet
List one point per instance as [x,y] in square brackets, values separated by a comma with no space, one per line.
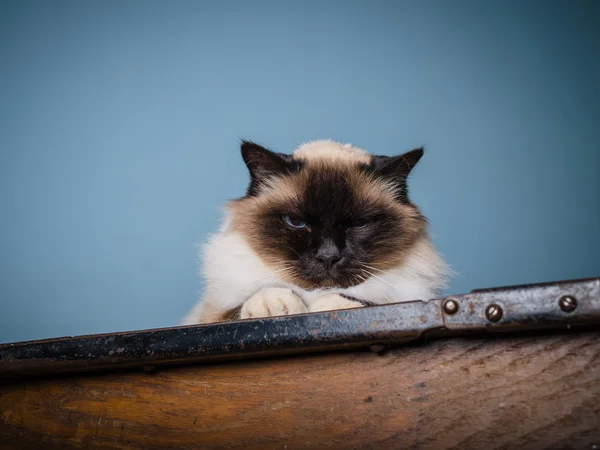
[567,303]
[493,313]
[450,306]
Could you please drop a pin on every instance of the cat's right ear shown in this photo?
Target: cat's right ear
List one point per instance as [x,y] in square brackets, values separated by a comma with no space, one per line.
[262,164]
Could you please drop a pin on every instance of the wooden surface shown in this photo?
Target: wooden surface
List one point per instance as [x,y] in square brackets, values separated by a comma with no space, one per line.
[525,392]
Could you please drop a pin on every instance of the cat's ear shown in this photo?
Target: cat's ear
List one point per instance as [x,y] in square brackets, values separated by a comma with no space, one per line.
[262,163]
[396,169]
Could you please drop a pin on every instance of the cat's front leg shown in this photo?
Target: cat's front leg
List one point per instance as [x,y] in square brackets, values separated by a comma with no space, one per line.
[273,302]
[330,302]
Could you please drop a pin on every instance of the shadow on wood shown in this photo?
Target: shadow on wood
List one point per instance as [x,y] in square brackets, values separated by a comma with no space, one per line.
[515,392]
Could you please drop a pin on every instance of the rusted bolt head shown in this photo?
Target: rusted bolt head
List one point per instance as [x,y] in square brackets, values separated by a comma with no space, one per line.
[567,303]
[493,313]
[450,306]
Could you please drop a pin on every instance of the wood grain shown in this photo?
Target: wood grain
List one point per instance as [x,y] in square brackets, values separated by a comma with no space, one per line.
[525,392]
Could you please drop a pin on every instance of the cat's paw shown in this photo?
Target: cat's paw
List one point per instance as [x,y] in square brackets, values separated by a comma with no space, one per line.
[273,302]
[330,302]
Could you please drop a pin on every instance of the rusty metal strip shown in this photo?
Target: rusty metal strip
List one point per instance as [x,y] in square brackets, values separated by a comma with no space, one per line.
[525,307]
[541,306]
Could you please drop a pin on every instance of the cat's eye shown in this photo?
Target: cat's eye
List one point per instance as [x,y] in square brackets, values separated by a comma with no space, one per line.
[294,222]
[359,224]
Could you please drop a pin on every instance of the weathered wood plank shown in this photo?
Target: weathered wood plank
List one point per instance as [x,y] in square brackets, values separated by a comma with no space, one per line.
[514,392]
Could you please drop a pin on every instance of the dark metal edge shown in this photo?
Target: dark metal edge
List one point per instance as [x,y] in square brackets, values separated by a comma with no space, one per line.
[276,335]
[388,324]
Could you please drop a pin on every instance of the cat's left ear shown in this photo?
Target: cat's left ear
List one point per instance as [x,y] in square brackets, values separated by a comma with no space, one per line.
[262,163]
[397,168]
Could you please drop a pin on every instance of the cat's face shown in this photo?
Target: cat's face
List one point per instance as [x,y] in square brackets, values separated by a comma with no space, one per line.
[322,222]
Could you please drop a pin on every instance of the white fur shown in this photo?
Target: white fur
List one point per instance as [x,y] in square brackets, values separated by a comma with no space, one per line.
[273,301]
[331,151]
[233,273]
[329,302]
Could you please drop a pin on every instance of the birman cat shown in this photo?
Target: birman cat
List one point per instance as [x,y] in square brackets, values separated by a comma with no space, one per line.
[328,227]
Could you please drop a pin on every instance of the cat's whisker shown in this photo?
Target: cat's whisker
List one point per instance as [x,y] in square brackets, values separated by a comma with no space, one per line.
[382,280]
[357,279]
[283,269]
[361,278]
[389,296]
[386,294]
[274,273]
[377,270]
[287,246]
[383,272]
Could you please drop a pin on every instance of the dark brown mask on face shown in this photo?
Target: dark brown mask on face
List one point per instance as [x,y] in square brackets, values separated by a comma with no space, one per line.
[328,222]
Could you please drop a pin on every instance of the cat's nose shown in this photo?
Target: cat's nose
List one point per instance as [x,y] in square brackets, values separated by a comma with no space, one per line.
[329,254]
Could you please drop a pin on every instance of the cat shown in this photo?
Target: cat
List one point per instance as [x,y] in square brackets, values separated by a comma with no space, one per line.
[328,227]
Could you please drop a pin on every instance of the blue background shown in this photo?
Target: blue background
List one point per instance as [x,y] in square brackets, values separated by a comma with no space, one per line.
[120,124]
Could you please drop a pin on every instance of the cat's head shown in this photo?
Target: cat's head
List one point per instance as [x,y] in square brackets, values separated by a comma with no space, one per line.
[329,215]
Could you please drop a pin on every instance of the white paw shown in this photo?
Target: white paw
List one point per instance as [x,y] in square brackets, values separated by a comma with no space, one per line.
[329,302]
[273,302]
